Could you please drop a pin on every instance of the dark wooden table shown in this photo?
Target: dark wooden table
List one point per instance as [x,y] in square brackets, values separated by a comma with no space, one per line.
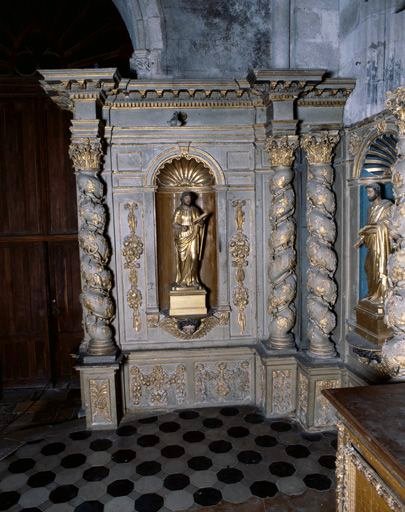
[370,467]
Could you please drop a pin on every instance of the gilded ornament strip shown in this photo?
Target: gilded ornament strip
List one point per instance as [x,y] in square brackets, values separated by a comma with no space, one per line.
[393,350]
[95,252]
[100,400]
[132,252]
[321,207]
[239,248]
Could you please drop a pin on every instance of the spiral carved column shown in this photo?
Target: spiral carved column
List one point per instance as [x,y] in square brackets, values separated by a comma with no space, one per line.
[393,351]
[282,275]
[97,303]
[321,207]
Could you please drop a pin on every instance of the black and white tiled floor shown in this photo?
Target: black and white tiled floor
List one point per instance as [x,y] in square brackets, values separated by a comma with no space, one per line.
[178,461]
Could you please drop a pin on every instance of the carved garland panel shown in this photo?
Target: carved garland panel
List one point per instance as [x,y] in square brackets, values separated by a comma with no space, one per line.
[225,381]
[158,385]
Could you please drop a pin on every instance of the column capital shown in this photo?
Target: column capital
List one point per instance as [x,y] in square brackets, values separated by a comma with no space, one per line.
[395,103]
[319,146]
[281,149]
[86,154]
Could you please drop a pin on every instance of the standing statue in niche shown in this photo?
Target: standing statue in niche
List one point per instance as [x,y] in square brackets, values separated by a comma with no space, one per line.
[375,236]
[187,296]
[189,231]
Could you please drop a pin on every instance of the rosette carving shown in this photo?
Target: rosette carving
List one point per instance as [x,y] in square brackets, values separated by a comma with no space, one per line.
[393,351]
[321,207]
[282,275]
[239,249]
[97,303]
[132,251]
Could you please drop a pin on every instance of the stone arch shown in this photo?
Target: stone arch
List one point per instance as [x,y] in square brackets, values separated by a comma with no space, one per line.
[175,152]
[144,22]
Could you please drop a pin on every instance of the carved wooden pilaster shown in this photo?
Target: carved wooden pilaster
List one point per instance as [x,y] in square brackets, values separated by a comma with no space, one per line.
[97,303]
[321,207]
[282,265]
[393,351]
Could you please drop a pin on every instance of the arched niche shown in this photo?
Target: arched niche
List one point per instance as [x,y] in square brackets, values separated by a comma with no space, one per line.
[376,167]
[176,175]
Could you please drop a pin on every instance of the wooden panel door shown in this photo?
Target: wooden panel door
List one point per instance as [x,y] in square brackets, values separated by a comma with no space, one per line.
[66,314]
[24,343]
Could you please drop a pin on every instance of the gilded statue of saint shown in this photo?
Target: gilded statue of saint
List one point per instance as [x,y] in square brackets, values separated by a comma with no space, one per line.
[189,230]
[375,236]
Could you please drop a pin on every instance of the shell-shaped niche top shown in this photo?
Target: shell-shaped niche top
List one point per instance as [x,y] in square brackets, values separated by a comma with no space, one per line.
[379,158]
[181,172]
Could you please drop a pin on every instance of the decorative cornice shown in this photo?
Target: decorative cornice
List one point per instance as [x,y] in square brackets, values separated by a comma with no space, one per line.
[319,146]
[281,150]
[396,104]
[66,86]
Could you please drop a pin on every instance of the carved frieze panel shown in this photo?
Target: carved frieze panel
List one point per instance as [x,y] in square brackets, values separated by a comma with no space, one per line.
[283,391]
[224,381]
[302,398]
[158,385]
[100,401]
[324,414]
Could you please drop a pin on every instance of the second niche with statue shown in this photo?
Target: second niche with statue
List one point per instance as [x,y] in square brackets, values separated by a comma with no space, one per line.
[373,238]
[186,239]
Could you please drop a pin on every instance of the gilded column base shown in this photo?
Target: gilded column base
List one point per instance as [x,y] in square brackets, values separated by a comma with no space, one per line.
[101,395]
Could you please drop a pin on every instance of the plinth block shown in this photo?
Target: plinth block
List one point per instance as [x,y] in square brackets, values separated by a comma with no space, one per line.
[280,384]
[101,395]
[188,302]
[370,322]
[314,412]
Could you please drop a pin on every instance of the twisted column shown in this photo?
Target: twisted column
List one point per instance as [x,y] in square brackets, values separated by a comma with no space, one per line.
[282,275]
[321,207]
[98,306]
[393,351]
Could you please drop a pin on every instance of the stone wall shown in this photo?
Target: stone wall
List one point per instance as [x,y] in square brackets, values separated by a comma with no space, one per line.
[371,42]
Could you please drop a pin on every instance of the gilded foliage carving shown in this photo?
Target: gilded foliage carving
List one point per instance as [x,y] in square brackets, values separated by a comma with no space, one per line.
[86,154]
[393,350]
[132,252]
[321,207]
[281,150]
[282,262]
[153,387]
[95,252]
[396,104]
[239,248]
[100,400]
[227,380]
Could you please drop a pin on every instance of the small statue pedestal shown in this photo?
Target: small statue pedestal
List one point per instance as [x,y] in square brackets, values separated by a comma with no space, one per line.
[370,322]
[188,302]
